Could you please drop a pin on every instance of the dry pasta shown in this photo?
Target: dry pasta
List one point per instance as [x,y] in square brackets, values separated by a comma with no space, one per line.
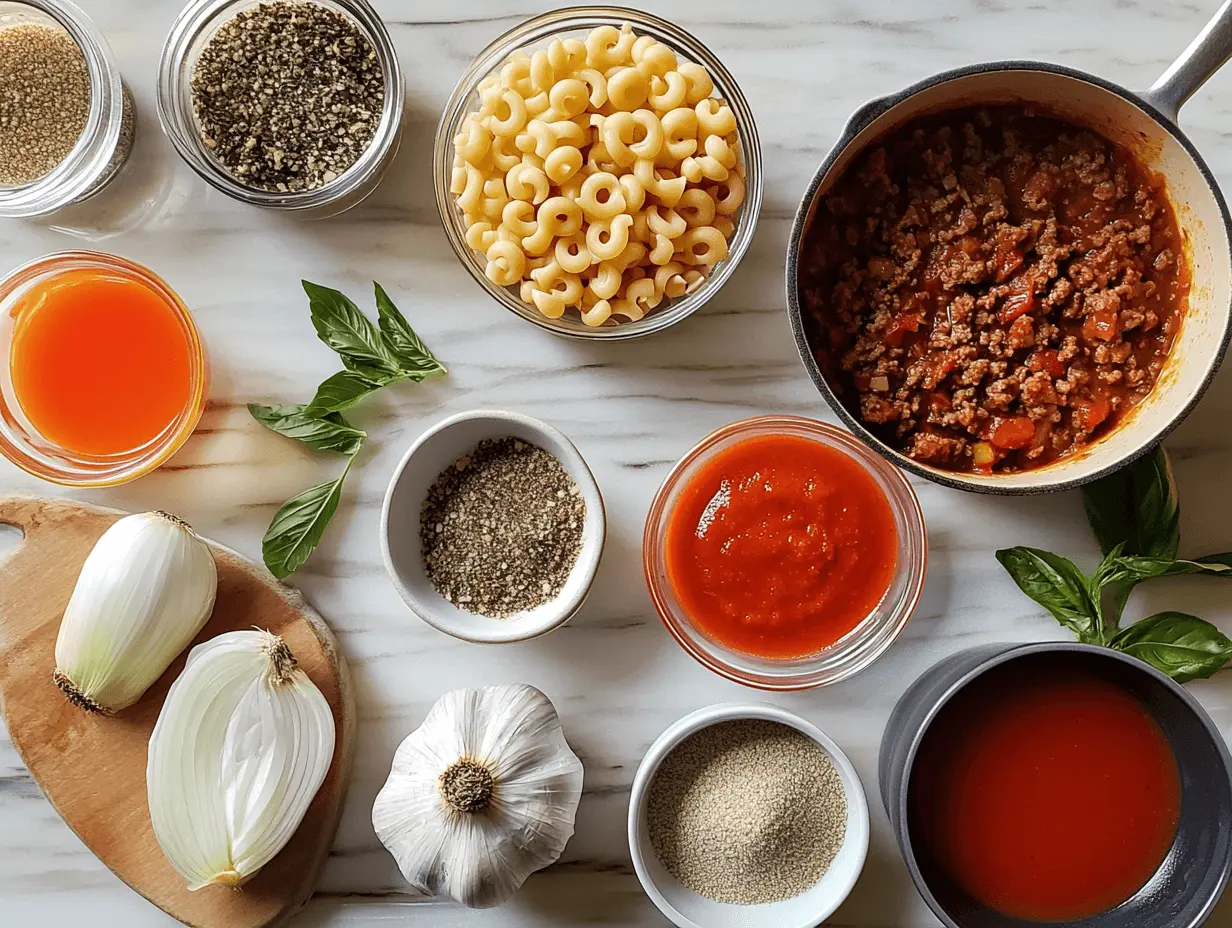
[599,174]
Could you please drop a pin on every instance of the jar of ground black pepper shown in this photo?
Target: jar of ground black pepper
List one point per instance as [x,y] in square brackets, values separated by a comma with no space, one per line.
[293,105]
[67,120]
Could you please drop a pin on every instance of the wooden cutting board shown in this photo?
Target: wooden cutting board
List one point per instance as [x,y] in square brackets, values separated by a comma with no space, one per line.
[92,768]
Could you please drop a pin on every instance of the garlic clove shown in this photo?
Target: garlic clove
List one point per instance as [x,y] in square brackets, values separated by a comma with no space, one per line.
[241,747]
[481,795]
[144,592]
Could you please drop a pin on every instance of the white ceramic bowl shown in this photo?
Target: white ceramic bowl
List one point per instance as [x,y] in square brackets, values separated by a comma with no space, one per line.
[686,908]
[435,450]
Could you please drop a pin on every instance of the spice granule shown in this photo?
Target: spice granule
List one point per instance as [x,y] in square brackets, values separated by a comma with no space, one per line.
[747,812]
[44,100]
[501,528]
[288,95]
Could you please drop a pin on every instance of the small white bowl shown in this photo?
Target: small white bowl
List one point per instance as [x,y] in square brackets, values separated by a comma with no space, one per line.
[686,908]
[435,450]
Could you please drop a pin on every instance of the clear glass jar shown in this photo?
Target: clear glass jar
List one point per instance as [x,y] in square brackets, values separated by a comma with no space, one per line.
[22,443]
[106,140]
[859,647]
[576,21]
[193,30]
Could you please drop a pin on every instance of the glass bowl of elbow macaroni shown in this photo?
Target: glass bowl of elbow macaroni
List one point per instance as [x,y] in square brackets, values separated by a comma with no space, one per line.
[598,172]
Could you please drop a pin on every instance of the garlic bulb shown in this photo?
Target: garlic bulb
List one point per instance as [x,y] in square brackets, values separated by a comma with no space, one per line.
[481,795]
[242,745]
[144,592]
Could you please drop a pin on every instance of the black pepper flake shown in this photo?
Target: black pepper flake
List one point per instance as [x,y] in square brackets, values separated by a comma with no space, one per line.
[288,95]
[501,528]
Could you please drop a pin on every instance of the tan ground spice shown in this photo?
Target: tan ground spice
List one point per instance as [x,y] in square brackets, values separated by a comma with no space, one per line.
[44,100]
[747,812]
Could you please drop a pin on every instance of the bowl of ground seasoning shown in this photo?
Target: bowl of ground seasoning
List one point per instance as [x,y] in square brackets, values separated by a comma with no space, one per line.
[66,119]
[293,105]
[493,527]
[744,816]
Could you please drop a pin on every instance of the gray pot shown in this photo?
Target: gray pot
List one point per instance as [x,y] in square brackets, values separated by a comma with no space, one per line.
[1193,875]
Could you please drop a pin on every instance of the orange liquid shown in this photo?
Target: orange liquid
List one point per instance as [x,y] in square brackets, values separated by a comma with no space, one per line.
[101,363]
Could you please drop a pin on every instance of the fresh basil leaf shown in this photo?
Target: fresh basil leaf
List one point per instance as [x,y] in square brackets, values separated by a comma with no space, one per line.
[314,431]
[1058,585]
[1109,589]
[1137,505]
[1181,645]
[1137,569]
[297,527]
[372,373]
[412,355]
[341,391]
[342,326]
[1107,569]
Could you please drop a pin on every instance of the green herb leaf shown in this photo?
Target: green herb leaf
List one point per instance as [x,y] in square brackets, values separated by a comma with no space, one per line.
[1181,645]
[341,325]
[297,527]
[1137,569]
[413,356]
[341,391]
[1137,505]
[1108,566]
[1109,591]
[315,432]
[1058,585]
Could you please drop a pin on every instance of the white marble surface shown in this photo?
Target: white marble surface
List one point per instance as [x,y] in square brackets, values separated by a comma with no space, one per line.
[633,409]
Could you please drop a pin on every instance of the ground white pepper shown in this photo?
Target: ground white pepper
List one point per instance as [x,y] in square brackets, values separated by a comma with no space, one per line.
[288,95]
[747,812]
[44,100]
[501,528]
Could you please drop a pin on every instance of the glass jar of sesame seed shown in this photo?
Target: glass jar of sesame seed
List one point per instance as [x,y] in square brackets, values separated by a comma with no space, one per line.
[66,119]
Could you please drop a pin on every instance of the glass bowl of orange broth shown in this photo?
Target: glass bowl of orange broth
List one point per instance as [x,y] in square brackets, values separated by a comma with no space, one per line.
[783,554]
[103,375]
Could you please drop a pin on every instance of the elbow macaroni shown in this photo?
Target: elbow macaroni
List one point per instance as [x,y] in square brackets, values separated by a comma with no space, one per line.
[600,174]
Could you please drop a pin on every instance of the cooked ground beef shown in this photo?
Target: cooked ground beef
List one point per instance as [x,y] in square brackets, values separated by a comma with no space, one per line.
[989,289]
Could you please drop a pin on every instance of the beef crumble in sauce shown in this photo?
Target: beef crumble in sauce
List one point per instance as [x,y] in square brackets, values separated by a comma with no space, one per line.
[993,287]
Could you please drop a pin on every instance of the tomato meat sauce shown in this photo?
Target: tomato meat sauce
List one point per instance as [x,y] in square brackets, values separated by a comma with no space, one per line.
[779,546]
[992,289]
[1045,792]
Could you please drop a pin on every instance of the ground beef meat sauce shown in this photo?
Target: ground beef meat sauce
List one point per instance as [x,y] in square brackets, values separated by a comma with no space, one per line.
[993,288]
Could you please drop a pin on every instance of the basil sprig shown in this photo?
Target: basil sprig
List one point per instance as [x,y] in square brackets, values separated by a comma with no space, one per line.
[374,357]
[1135,515]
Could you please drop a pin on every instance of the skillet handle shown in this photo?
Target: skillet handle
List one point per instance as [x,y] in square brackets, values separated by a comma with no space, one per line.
[1205,55]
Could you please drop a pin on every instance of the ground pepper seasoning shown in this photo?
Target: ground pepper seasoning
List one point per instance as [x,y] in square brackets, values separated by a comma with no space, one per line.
[501,528]
[288,95]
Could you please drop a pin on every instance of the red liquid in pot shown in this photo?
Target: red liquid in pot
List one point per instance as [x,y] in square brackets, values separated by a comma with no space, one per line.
[1046,793]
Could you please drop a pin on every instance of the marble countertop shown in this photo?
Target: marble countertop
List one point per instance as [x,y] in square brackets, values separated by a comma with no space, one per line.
[632,408]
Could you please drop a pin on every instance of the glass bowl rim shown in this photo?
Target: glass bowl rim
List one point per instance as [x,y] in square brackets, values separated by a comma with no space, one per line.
[913,550]
[153,456]
[566,19]
[175,115]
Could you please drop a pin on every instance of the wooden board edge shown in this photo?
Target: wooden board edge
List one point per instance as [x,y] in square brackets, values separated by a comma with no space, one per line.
[325,636]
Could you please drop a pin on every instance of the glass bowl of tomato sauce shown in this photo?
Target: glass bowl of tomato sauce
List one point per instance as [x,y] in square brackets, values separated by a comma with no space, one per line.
[103,375]
[783,554]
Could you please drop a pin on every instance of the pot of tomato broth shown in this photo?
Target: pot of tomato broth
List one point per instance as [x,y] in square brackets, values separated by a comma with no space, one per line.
[1058,783]
[1142,124]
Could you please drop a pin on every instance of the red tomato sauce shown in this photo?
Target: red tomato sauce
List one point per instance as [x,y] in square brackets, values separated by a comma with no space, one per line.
[780,545]
[1045,792]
